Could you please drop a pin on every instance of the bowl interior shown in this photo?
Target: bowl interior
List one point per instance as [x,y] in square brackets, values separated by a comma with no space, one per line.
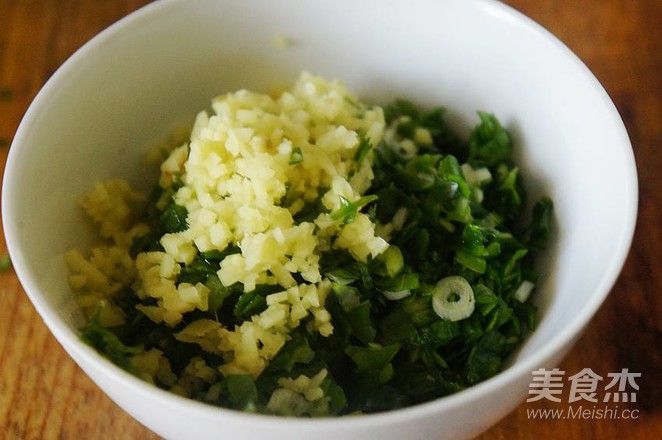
[131,85]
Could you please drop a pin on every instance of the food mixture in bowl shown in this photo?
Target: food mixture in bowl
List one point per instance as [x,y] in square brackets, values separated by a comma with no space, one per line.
[307,254]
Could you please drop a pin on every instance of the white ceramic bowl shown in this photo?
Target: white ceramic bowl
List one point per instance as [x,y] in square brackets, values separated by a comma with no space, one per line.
[129,85]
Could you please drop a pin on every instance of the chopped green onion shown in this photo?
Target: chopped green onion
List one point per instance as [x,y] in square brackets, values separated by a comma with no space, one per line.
[453,298]
[348,296]
[342,276]
[483,175]
[393,261]
[523,291]
[404,281]
[249,303]
[373,357]
[360,322]
[449,226]
[395,296]
[399,218]
[349,210]
[109,343]
[241,391]
[296,156]
[217,292]
[489,143]
[476,176]
[363,150]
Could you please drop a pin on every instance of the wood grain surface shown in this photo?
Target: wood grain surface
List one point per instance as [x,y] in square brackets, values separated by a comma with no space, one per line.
[44,395]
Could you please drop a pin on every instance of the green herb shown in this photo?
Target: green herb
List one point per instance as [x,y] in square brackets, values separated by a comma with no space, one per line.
[249,303]
[218,293]
[108,343]
[364,148]
[5,263]
[398,108]
[490,143]
[447,231]
[373,357]
[296,156]
[540,230]
[349,210]
[241,391]
[173,218]
[399,283]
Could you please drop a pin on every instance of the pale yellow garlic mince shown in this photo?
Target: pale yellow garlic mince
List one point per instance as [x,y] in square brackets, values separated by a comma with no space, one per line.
[240,187]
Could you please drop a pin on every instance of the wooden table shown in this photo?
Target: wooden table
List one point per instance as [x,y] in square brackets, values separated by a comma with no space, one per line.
[43,394]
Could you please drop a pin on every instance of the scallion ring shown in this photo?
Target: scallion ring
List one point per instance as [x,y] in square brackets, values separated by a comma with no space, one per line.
[453,298]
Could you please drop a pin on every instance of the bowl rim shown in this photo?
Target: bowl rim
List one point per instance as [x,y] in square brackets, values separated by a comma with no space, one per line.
[69,339]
